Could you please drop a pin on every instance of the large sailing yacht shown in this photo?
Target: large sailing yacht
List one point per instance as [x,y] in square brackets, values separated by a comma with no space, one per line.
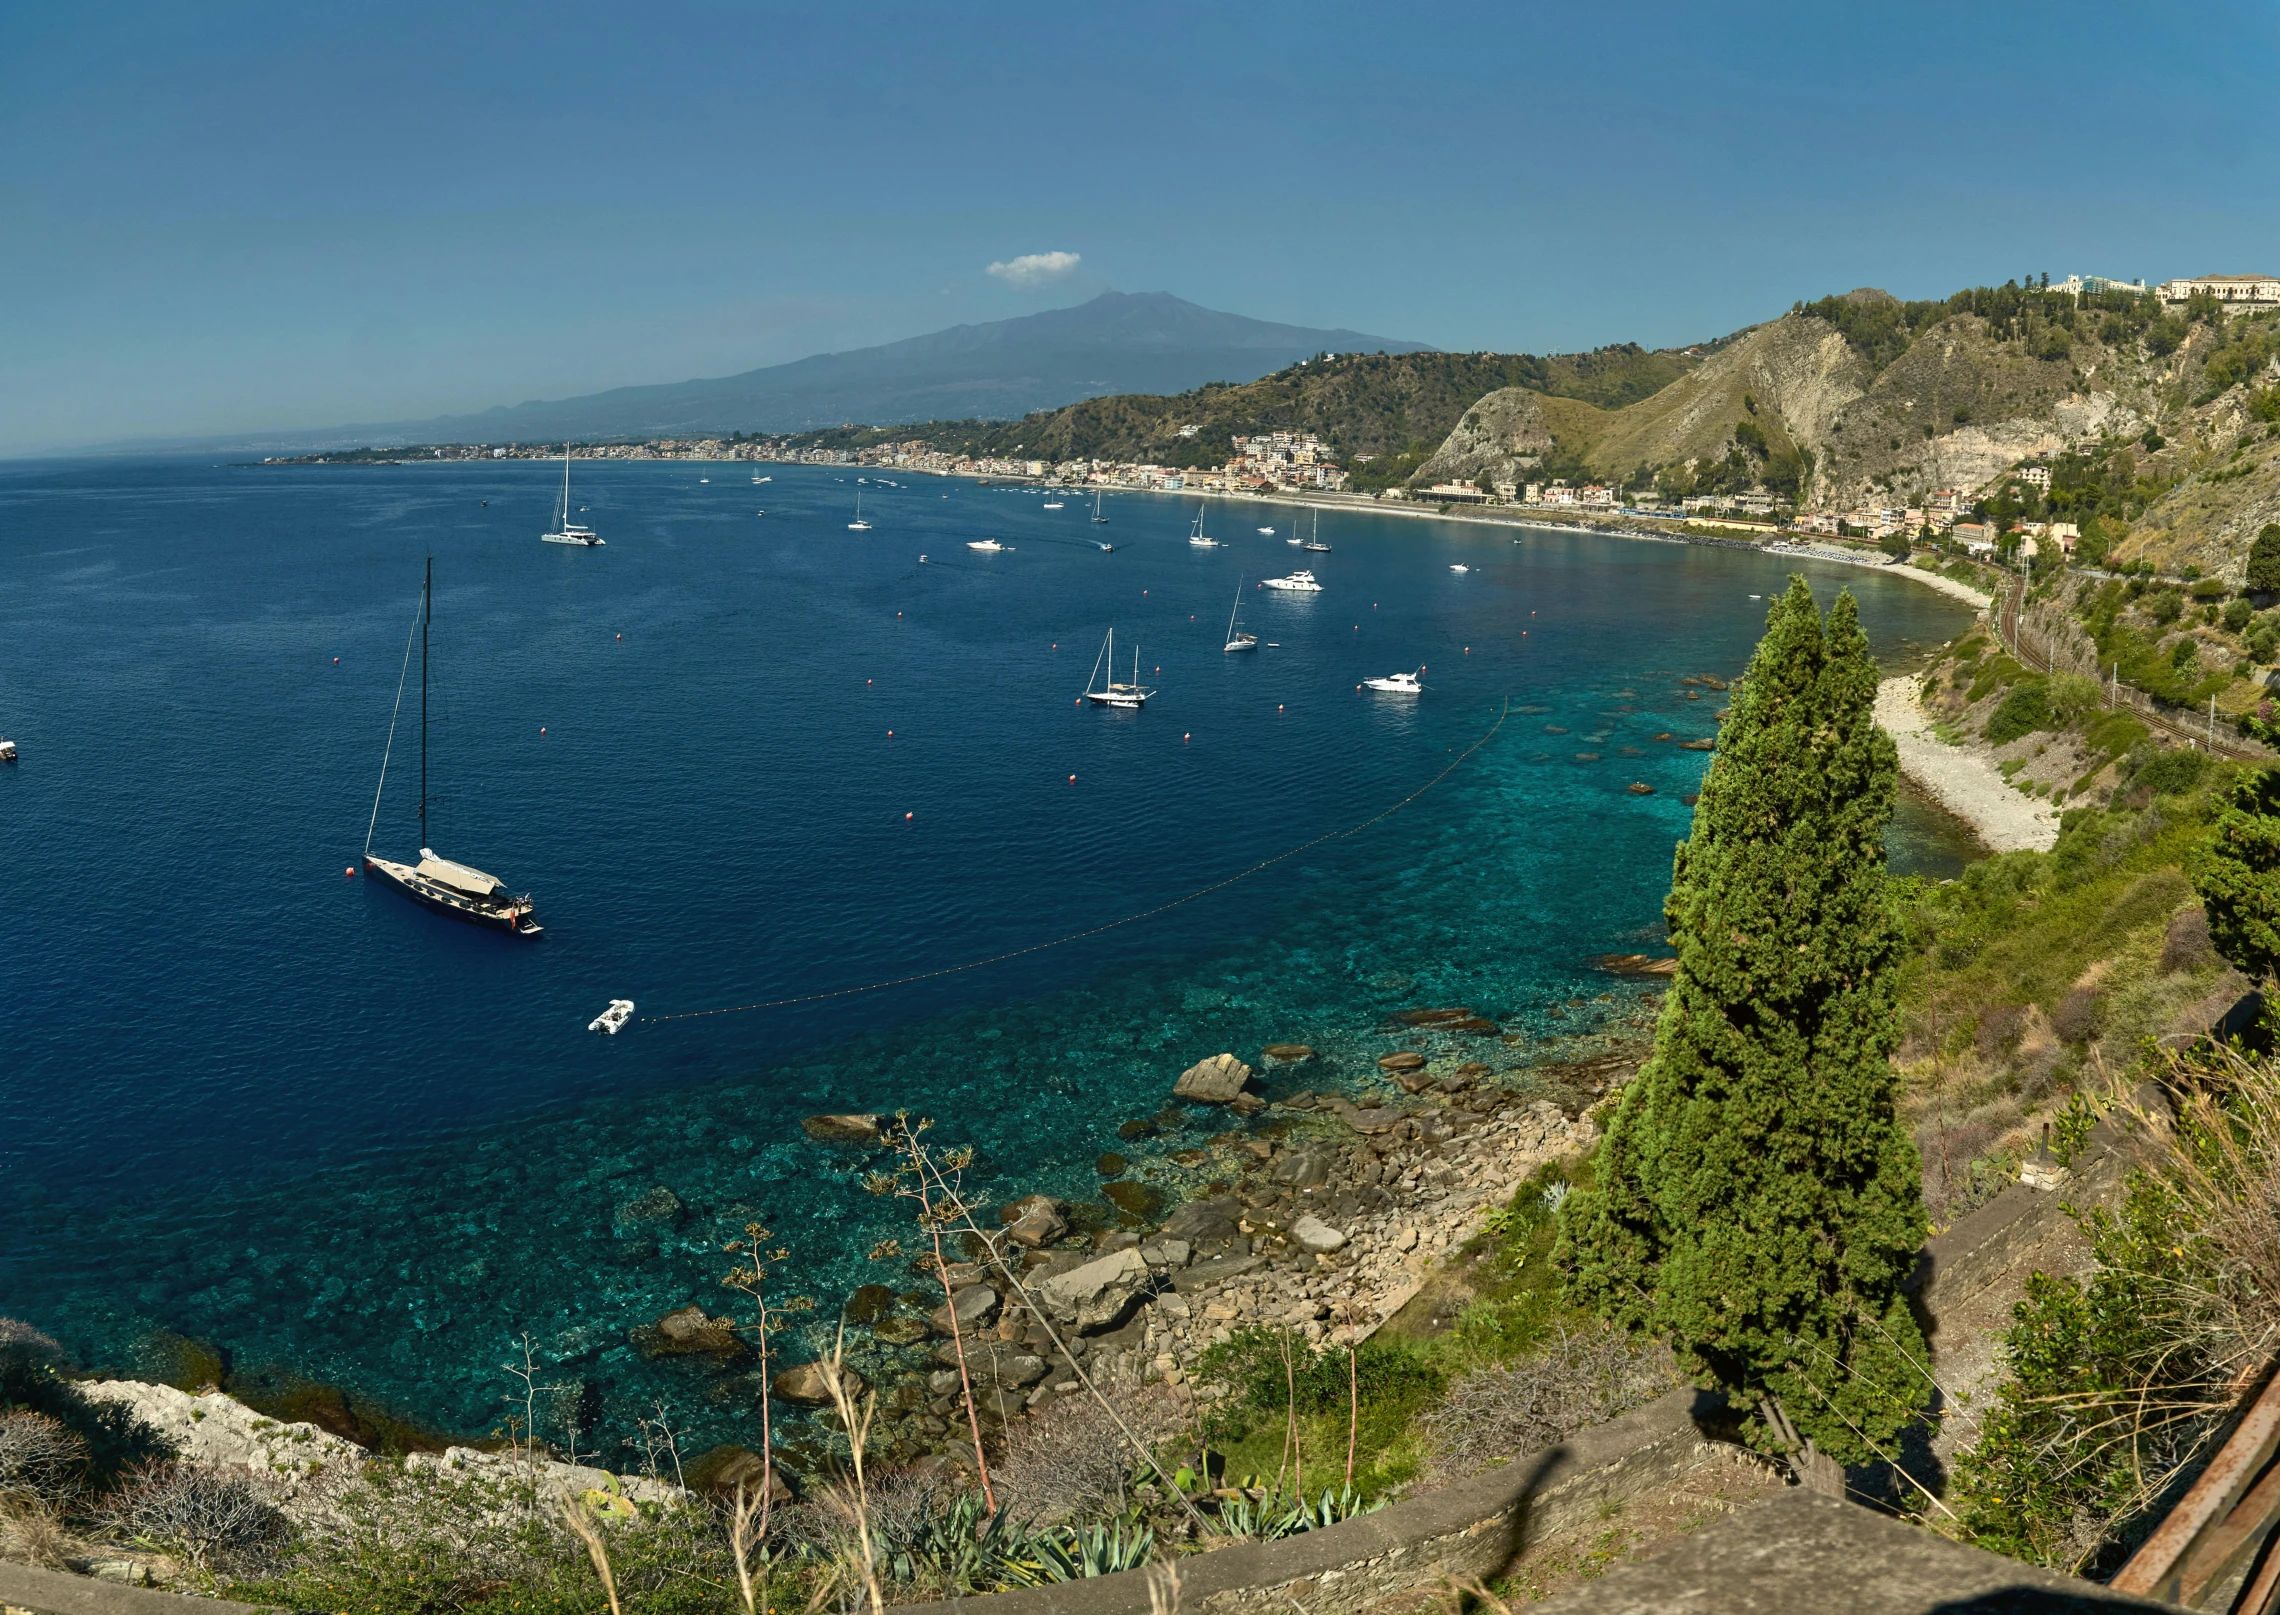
[435,882]
[567,531]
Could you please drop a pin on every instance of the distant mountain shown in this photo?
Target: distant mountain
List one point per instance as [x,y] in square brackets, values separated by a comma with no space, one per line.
[1120,342]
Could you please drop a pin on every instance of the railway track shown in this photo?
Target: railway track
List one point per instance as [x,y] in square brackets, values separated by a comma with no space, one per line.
[2181,729]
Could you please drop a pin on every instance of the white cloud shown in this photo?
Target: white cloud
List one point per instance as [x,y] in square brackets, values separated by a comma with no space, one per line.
[1035,268]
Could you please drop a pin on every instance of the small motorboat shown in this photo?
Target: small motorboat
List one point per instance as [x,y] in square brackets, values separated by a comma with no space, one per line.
[703,480]
[1460,569]
[1396,683]
[7,751]
[1300,582]
[988,546]
[1052,504]
[1268,531]
[611,1020]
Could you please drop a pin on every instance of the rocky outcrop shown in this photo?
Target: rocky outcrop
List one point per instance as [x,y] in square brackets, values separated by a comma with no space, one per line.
[1503,438]
[1216,1081]
[216,1429]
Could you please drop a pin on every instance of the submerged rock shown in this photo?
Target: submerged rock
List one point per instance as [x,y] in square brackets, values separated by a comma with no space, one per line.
[1288,1053]
[870,1303]
[842,1129]
[1215,1081]
[807,1387]
[688,1332]
[1405,1060]
[659,1208]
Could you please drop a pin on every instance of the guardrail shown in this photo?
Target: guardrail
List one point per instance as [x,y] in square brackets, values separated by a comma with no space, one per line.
[2224,1523]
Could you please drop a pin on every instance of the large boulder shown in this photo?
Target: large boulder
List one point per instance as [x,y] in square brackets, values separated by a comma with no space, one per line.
[807,1387]
[847,1129]
[659,1208]
[969,1308]
[1098,1295]
[1215,1081]
[1302,1169]
[719,1471]
[1035,1220]
[1313,1234]
[1202,1222]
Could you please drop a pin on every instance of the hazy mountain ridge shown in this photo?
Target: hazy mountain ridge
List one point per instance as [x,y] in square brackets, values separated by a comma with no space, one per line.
[1118,342]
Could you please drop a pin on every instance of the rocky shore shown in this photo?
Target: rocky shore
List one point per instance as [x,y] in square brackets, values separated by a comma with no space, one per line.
[1963,779]
[1326,1215]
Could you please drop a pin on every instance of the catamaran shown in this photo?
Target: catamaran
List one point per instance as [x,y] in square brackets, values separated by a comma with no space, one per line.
[1236,639]
[567,531]
[1113,694]
[858,525]
[435,882]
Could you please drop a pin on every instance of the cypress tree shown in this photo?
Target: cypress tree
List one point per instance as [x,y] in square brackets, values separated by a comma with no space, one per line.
[1757,1200]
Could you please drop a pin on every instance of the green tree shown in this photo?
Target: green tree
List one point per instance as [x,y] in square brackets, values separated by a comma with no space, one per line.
[2264,561]
[1757,1200]
[2236,869]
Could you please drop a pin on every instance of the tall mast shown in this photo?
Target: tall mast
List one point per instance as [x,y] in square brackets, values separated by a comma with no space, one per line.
[565,487]
[427,610]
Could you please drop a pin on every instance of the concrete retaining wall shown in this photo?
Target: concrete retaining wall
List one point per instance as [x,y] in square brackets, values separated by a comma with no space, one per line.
[1474,1528]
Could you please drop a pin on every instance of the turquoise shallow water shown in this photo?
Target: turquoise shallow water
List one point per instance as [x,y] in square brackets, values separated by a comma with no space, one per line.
[257,1104]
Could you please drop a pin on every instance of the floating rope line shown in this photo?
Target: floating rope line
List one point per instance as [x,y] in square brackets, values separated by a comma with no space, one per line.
[1129,919]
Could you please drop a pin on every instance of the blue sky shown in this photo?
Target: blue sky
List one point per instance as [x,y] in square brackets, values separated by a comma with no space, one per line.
[238,217]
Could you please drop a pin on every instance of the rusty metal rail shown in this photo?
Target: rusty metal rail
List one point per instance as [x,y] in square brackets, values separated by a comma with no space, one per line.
[2224,1523]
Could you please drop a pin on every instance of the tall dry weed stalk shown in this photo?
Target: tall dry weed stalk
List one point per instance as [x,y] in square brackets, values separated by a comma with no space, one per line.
[855,1412]
[749,1521]
[993,1244]
[580,1519]
[934,1183]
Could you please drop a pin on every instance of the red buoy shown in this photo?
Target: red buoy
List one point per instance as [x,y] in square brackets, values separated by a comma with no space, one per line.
[336,661]
[1072,779]
[890,734]
[542,728]
[350,871]
[1185,738]
[906,818]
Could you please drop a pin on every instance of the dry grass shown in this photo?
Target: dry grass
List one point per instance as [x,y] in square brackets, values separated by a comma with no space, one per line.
[2222,1161]
[40,1458]
[1582,1377]
[209,1519]
[33,1535]
[1073,1460]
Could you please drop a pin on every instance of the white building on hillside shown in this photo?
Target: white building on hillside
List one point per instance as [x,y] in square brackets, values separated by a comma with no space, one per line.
[2247,293]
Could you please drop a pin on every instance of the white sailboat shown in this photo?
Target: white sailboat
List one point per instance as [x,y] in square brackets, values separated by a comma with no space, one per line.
[1098,519]
[1052,504]
[1196,535]
[1315,543]
[1113,694]
[858,525]
[1238,639]
[567,531]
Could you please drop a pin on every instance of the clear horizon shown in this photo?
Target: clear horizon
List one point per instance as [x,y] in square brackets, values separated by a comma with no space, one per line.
[258,219]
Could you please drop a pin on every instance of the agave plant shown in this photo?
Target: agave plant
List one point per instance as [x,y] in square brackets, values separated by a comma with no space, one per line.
[957,1545]
[1271,1516]
[1098,1548]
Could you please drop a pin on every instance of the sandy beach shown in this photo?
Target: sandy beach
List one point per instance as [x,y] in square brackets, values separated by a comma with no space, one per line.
[1964,780]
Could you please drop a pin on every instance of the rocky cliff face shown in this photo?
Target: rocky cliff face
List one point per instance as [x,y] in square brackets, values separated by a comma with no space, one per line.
[1503,438]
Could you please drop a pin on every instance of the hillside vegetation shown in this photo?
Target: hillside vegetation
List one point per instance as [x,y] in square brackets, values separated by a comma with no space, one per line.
[1388,406]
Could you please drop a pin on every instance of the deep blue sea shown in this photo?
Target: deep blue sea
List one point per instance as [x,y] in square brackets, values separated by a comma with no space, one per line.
[738,756]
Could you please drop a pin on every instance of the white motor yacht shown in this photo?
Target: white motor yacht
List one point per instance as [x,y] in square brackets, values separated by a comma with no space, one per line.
[1460,569]
[1268,531]
[1052,504]
[1397,683]
[988,546]
[1301,582]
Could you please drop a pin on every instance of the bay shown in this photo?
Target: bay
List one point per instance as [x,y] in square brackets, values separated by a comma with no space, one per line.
[743,754]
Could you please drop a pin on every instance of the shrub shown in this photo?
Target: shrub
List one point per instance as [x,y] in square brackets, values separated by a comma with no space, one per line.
[2024,710]
[1583,1377]
[2172,772]
[2264,561]
[40,1457]
[2236,615]
[2166,606]
[209,1519]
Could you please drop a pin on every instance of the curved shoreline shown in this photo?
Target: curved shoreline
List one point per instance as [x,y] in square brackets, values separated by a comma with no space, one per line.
[1963,780]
